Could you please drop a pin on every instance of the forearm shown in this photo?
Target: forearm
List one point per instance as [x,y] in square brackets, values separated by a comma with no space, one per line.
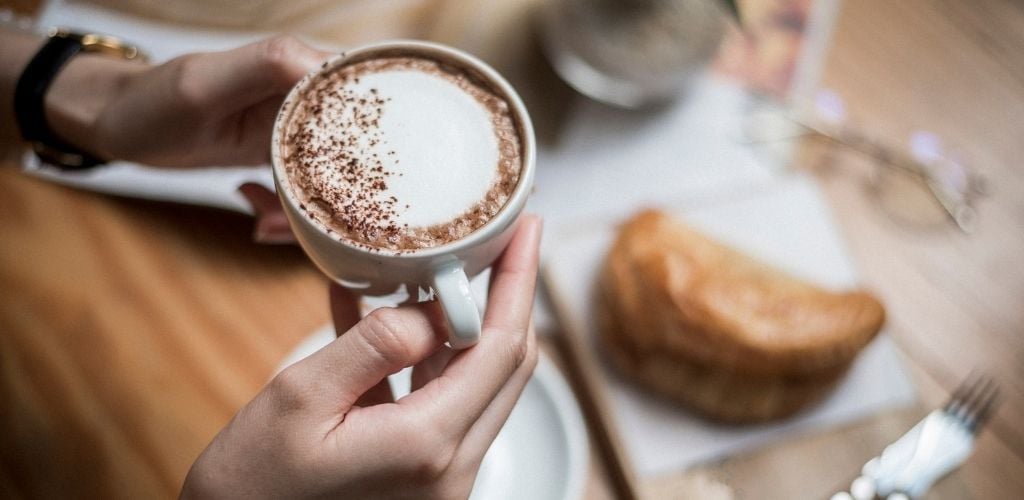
[200,109]
[78,93]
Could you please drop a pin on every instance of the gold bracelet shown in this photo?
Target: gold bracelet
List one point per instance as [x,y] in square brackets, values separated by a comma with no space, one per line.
[103,44]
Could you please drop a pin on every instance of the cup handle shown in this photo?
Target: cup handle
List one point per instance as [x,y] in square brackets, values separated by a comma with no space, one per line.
[452,288]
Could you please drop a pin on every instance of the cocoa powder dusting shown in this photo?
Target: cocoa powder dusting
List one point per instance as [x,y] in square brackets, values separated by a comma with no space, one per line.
[339,179]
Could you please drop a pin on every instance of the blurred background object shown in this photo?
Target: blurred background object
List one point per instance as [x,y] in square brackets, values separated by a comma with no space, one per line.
[765,49]
[631,53]
[636,53]
[936,446]
[924,186]
[330,21]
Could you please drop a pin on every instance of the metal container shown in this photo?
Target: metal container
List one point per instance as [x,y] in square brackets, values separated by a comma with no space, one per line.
[631,53]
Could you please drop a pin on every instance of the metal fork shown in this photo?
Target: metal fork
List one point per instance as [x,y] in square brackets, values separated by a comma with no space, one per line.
[936,445]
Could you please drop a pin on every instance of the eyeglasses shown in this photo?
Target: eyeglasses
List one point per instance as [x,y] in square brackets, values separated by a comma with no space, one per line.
[923,185]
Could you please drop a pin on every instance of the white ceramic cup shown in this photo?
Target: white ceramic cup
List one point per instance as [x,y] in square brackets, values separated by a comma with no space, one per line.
[445,269]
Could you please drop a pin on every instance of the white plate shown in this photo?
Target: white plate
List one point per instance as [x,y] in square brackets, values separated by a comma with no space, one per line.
[541,453]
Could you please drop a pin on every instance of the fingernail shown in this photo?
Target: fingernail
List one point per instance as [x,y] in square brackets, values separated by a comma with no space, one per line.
[273,229]
[311,62]
[314,59]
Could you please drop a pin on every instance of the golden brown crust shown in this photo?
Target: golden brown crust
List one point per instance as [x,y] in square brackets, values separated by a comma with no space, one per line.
[717,394]
[708,325]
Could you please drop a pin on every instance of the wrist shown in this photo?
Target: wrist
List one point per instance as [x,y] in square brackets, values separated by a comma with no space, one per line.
[79,94]
[16,49]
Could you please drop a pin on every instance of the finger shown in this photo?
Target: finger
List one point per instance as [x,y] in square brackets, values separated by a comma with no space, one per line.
[344,308]
[380,393]
[345,313]
[382,343]
[272,226]
[255,126]
[511,292]
[483,432]
[431,367]
[474,376]
[251,73]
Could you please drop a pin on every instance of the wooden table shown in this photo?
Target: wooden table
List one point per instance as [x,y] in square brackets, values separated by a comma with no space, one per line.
[130,332]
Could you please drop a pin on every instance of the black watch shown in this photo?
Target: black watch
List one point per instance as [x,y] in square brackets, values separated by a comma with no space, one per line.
[61,45]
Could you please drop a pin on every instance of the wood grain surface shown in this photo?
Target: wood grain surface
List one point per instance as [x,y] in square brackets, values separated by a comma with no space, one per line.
[130,332]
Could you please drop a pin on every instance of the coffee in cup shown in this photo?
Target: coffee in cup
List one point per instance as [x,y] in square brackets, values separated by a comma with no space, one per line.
[401,152]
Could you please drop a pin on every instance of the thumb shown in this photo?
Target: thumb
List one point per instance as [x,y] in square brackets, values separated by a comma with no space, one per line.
[382,343]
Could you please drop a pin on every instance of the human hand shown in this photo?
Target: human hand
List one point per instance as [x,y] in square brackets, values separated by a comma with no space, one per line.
[199,109]
[326,426]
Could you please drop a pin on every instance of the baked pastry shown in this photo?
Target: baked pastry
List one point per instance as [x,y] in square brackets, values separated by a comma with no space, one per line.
[709,326]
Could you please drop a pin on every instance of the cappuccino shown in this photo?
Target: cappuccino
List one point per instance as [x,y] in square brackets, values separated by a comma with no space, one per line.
[401,152]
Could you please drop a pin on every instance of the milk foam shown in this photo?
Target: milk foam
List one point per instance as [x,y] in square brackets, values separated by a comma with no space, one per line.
[401,152]
[445,148]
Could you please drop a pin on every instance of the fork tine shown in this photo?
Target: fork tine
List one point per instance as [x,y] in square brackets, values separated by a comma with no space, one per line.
[956,400]
[973,400]
[984,406]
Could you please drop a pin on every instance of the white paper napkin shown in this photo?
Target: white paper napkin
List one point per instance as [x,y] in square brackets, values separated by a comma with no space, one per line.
[215,187]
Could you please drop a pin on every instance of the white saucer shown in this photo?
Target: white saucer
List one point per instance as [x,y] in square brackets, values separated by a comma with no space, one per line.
[541,453]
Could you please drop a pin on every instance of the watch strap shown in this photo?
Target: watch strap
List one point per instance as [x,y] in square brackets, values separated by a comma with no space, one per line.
[29,103]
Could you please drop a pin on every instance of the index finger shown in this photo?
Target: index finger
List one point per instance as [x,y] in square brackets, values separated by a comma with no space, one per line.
[253,72]
[457,398]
